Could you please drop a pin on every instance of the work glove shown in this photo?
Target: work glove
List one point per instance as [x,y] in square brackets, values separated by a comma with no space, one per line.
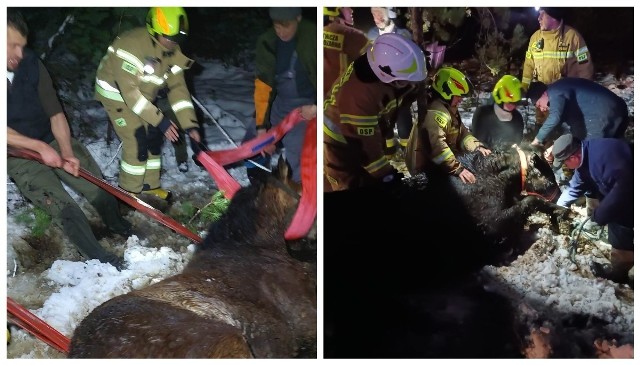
[164,124]
[197,147]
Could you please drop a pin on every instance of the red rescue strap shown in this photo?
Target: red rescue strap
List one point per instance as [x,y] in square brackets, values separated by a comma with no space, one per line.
[307,207]
[226,183]
[23,318]
[252,147]
[119,193]
[523,177]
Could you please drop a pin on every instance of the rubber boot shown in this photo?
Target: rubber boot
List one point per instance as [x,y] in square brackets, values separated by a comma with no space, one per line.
[618,270]
[76,226]
[109,210]
[159,192]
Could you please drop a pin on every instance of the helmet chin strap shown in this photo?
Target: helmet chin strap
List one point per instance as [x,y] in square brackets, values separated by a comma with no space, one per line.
[503,114]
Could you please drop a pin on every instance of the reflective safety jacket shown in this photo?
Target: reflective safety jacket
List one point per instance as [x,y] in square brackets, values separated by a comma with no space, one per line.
[342,44]
[437,139]
[135,68]
[357,116]
[554,54]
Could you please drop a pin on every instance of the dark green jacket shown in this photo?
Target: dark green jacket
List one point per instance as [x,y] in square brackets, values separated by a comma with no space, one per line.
[306,46]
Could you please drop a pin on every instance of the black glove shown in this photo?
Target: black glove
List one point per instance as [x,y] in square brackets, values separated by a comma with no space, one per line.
[197,147]
[164,124]
[163,93]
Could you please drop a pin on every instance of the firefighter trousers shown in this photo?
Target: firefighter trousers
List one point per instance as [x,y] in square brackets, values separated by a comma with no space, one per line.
[140,161]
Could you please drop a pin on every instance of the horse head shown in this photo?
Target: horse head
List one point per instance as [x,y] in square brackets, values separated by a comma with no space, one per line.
[258,214]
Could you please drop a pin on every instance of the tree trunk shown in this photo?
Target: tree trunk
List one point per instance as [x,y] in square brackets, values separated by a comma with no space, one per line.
[418,36]
[416,25]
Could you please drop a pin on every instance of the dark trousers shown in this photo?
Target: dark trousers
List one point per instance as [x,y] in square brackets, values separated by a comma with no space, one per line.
[620,237]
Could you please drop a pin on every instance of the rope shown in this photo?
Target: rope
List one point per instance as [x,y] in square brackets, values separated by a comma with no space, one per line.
[574,241]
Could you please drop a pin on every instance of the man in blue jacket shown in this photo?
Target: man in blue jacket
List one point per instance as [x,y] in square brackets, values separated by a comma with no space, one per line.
[589,109]
[603,165]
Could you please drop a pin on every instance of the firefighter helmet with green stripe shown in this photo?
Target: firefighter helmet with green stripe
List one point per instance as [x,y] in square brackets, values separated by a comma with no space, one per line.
[507,90]
[449,82]
[394,57]
[170,22]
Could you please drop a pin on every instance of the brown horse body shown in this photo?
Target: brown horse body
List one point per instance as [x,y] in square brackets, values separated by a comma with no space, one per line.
[242,295]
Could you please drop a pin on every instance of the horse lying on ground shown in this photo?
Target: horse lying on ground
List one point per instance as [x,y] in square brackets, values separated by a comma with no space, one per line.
[390,247]
[242,295]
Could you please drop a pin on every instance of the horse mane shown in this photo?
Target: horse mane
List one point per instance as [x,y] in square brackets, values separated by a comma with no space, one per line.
[238,220]
[499,160]
[492,164]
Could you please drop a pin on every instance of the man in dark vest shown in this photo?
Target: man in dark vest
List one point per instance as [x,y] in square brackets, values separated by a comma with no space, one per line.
[37,122]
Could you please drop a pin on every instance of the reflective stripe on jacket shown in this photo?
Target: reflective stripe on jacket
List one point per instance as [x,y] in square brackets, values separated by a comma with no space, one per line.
[135,68]
[554,54]
[359,113]
[438,138]
[342,44]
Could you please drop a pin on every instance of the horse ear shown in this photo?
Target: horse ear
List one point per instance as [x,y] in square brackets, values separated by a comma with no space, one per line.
[282,172]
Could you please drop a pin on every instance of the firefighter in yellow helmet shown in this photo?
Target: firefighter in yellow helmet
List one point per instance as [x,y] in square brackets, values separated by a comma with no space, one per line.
[499,125]
[435,141]
[139,65]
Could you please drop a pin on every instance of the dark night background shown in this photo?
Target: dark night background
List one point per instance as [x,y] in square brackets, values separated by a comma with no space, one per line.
[229,33]
[226,33]
[608,33]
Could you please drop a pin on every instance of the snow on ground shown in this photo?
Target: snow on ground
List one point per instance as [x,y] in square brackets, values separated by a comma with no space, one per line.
[64,291]
[52,280]
[544,279]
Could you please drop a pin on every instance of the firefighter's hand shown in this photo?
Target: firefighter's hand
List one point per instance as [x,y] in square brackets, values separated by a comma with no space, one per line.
[485,151]
[194,134]
[467,177]
[308,112]
[268,150]
[169,129]
[194,140]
